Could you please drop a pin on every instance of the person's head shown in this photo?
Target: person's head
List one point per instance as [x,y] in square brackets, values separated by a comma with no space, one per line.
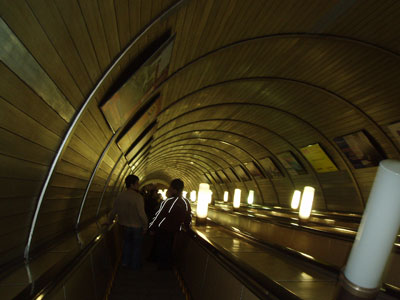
[132,181]
[175,188]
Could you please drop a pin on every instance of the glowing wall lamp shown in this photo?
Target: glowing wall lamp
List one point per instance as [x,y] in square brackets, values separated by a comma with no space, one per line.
[210,197]
[202,203]
[296,199]
[184,194]
[193,196]
[226,194]
[306,202]
[236,198]
[250,197]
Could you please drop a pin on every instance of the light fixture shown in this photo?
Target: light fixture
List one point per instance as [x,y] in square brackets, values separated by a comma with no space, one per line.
[210,197]
[378,231]
[250,197]
[202,202]
[184,194]
[296,199]
[226,194]
[306,202]
[236,198]
[193,196]
[163,194]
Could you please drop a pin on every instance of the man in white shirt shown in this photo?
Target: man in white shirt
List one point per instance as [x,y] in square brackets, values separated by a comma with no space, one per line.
[129,207]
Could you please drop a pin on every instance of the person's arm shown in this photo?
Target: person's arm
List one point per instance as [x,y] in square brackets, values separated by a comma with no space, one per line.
[188,218]
[160,215]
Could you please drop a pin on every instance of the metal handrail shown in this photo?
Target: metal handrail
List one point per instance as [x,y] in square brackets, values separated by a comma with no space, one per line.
[48,281]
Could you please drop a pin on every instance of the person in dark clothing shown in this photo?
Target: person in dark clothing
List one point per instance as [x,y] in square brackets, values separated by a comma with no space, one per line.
[151,203]
[173,213]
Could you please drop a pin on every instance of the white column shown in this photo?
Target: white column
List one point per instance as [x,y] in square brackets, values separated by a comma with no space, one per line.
[202,200]
[378,229]
[236,198]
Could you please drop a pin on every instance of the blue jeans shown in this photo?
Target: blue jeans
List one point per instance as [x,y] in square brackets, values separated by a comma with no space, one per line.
[132,249]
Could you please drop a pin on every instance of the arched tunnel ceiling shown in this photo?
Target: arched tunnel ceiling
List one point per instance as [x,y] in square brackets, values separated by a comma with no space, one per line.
[273,91]
[247,81]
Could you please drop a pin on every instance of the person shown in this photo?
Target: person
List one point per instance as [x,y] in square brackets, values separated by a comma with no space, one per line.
[129,207]
[151,203]
[173,213]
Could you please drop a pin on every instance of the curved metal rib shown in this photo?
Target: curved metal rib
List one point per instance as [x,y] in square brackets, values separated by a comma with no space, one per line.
[79,115]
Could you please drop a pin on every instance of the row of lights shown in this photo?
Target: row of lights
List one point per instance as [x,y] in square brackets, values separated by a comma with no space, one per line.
[304,200]
[205,195]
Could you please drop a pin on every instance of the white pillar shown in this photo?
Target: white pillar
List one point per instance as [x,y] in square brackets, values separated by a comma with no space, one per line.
[236,198]
[202,200]
[378,229]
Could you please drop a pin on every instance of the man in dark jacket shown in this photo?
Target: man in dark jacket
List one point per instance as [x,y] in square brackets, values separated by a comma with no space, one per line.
[174,213]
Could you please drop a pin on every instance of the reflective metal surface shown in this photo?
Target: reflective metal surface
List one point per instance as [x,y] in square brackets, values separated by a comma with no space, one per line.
[99,161]
[14,54]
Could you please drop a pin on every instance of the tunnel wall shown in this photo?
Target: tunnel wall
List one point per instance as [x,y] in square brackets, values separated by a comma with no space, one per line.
[234,95]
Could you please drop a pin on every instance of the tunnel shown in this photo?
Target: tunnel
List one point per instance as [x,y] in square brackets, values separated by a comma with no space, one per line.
[264,96]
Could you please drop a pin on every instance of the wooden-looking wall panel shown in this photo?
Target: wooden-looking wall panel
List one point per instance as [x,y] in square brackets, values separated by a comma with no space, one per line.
[73,170]
[14,188]
[25,25]
[16,121]
[49,218]
[122,19]
[90,124]
[61,204]
[100,120]
[113,185]
[365,177]
[19,205]
[74,21]
[16,146]
[18,169]
[218,192]
[181,26]
[76,158]
[91,13]
[89,140]
[22,97]
[83,149]
[102,174]
[55,192]
[13,233]
[12,245]
[52,226]
[53,24]
[268,193]
[340,192]
[285,190]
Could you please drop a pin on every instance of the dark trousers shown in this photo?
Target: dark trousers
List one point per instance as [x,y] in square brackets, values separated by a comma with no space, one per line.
[164,248]
[132,249]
